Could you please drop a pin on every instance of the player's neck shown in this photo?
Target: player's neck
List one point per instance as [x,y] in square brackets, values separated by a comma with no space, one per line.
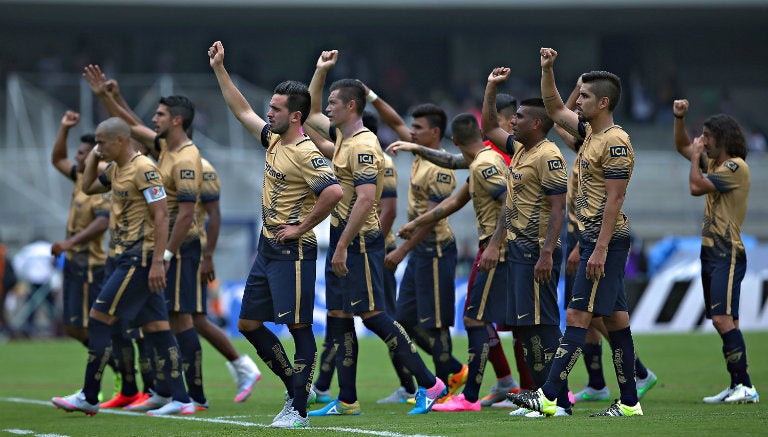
[533,142]
[601,121]
[176,139]
[351,128]
[125,156]
[291,136]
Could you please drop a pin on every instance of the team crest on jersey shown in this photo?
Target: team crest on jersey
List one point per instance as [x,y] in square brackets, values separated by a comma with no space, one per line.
[389,172]
[555,164]
[444,178]
[151,175]
[364,158]
[732,166]
[209,176]
[318,162]
[618,151]
[187,174]
[490,171]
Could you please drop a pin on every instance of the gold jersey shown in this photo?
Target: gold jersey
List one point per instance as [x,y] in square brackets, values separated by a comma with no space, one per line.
[533,175]
[389,190]
[84,209]
[294,175]
[209,192]
[605,155]
[725,208]
[182,172]
[430,182]
[132,230]
[358,160]
[487,185]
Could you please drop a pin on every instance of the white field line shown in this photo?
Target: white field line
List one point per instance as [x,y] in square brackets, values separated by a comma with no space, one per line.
[219,420]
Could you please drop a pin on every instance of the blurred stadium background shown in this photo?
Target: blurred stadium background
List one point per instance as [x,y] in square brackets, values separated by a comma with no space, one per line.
[714,53]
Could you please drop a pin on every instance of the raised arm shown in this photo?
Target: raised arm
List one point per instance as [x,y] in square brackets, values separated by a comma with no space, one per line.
[98,82]
[682,141]
[697,183]
[441,211]
[569,139]
[326,147]
[91,183]
[435,156]
[388,114]
[317,120]
[556,109]
[490,117]
[236,102]
[59,153]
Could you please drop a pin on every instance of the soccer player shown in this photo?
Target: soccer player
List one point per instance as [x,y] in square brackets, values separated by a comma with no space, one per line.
[181,168]
[300,190]
[355,259]
[88,220]
[605,165]
[486,187]
[134,291]
[387,210]
[596,388]
[720,151]
[426,302]
[244,371]
[242,368]
[533,217]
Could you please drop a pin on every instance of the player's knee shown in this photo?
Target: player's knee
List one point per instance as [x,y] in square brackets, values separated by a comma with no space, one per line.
[244,325]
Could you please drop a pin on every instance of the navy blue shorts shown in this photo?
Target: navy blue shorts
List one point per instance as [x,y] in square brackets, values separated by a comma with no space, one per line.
[183,292]
[362,290]
[535,303]
[81,286]
[607,294]
[487,292]
[126,295]
[280,291]
[427,295]
[721,276]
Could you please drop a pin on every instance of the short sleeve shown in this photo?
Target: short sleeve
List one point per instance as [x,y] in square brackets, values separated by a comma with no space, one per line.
[317,173]
[188,180]
[727,177]
[554,175]
[441,184]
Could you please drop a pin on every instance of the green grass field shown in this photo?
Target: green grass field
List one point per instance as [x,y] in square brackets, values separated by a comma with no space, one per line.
[689,367]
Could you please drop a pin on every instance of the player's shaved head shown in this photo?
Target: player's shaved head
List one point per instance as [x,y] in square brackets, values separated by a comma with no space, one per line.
[114,126]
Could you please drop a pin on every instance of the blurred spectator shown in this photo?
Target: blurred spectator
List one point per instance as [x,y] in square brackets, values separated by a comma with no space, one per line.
[35,266]
[756,141]
[7,283]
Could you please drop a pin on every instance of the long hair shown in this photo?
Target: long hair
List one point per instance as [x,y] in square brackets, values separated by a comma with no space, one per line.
[727,132]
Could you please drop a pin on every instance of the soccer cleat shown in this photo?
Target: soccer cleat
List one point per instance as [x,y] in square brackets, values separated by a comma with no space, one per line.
[521,411]
[120,401]
[590,394]
[426,397]
[288,406]
[720,397]
[400,396]
[559,412]
[246,374]
[291,419]
[618,409]
[174,407]
[153,402]
[322,396]
[456,404]
[534,400]
[337,408]
[499,393]
[645,384]
[200,406]
[506,403]
[743,395]
[76,402]
[457,380]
